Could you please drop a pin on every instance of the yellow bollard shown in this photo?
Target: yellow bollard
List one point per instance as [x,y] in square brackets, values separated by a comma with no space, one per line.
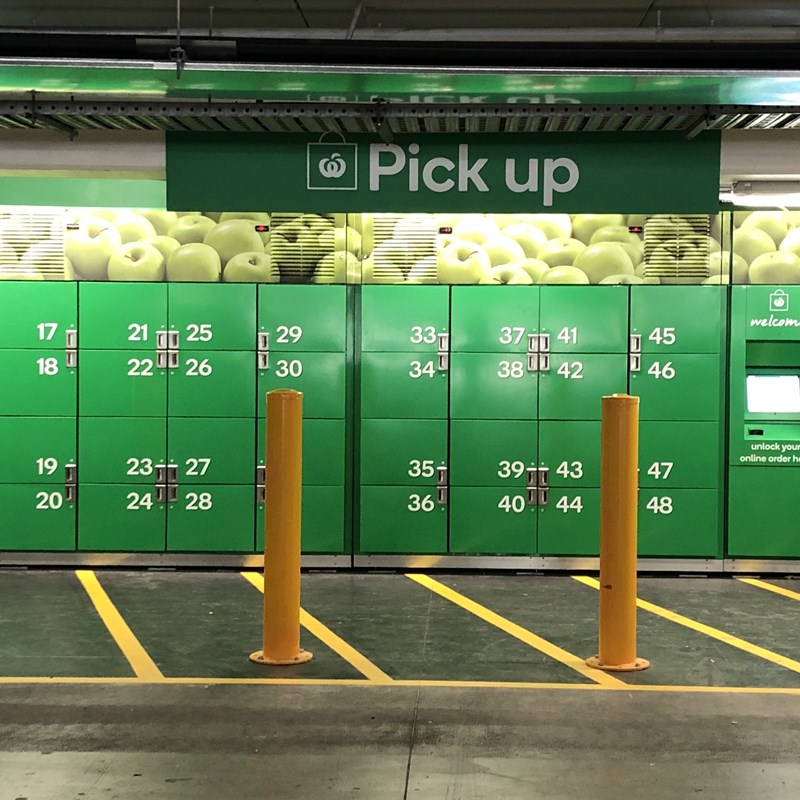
[284,443]
[619,457]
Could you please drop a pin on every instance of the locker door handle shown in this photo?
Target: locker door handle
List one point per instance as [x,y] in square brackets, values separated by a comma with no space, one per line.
[161,494]
[262,342]
[635,343]
[172,473]
[71,338]
[70,473]
[544,342]
[71,359]
[261,495]
[635,362]
[174,340]
[533,343]
[442,495]
[444,362]
[543,497]
[173,359]
[161,473]
[533,362]
[543,480]
[441,476]
[70,492]
[443,340]
[161,359]
[172,493]
[262,360]
[161,340]
[531,478]
[261,474]
[544,362]
[532,497]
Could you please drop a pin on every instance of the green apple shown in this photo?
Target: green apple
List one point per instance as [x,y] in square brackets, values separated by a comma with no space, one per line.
[69,271]
[554,226]
[340,266]
[20,232]
[620,280]
[418,231]
[215,215]
[791,241]
[560,252]
[502,250]
[297,248]
[584,225]
[462,262]
[715,280]
[564,274]
[739,217]
[725,262]
[9,272]
[109,214]
[640,270]
[136,261]
[771,222]
[781,266]
[507,274]
[535,267]
[614,233]
[255,267]
[635,220]
[261,217]
[165,245]
[8,255]
[194,262]
[750,243]
[344,239]
[681,262]
[134,227]
[600,260]
[191,228]
[42,254]
[475,228]
[424,271]
[90,246]
[386,272]
[394,253]
[234,236]
[528,237]
[161,221]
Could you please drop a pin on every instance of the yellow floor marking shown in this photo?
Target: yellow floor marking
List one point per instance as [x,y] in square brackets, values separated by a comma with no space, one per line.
[518,632]
[326,635]
[714,633]
[580,687]
[143,666]
[771,588]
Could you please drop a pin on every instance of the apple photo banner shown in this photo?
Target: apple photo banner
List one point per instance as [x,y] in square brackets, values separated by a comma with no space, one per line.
[646,173]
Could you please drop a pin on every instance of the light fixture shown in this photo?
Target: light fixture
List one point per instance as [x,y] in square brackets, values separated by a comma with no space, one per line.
[762,193]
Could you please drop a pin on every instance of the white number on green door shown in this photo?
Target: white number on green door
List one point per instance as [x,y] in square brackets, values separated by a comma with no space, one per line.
[419,503]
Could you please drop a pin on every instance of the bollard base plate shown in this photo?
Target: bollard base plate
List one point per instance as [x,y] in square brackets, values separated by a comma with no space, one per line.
[301,658]
[631,666]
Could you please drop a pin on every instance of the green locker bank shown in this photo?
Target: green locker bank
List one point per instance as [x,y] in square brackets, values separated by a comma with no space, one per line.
[452,367]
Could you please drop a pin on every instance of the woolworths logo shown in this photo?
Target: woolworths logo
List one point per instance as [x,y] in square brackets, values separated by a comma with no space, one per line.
[778,302]
[393,167]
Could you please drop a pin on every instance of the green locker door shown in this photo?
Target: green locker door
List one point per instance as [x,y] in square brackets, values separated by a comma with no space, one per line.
[213,316]
[36,449]
[121,517]
[37,516]
[122,316]
[212,450]
[122,383]
[212,383]
[37,383]
[402,519]
[121,450]
[210,518]
[320,376]
[402,452]
[404,319]
[570,452]
[492,386]
[573,385]
[683,522]
[37,315]
[585,319]
[489,468]
[679,455]
[494,319]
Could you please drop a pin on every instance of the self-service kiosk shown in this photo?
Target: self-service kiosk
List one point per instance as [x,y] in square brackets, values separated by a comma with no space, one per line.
[764,480]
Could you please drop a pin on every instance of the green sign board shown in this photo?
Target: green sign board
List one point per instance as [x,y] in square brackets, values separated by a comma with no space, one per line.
[577,173]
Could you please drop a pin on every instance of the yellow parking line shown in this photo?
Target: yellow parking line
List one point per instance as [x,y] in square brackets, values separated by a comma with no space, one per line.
[332,640]
[518,632]
[143,666]
[714,633]
[771,588]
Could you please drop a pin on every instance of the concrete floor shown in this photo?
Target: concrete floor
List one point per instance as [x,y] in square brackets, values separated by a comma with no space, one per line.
[175,742]
[456,708]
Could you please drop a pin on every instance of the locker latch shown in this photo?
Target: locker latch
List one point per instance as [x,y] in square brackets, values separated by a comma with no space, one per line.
[71,338]
[442,491]
[441,476]
[161,359]
[635,364]
[174,340]
[161,473]
[543,497]
[441,495]
[544,361]
[262,342]
[261,474]
[533,342]
[537,477]
[172,493]
[443,340]
[161,493]
[173,359]
[172,473]
[635,343]
[70,473]
[544,342]
[70,492]
[262,360]
[261,495]
[71,359]
[161,340]
[533,362]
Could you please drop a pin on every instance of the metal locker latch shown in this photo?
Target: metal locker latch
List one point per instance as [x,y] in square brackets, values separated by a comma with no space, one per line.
[161,473]
[262,360]
[70,473]
[635,362]
[262,342]
[533,362]
[544,362]
[635,343]
[531,477]
[544,342]
[544,477]
[174,340]
[532,497]
[70,492]
[161,494]
[533,343]
[441,495]
[172,493]
[71,359]
[71,338]
[443,363]
[441,476]
[161,359]
[443,340]
[172,473]
[543,497]
[161,340]
[173,359]
[261,474]
[261,495]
